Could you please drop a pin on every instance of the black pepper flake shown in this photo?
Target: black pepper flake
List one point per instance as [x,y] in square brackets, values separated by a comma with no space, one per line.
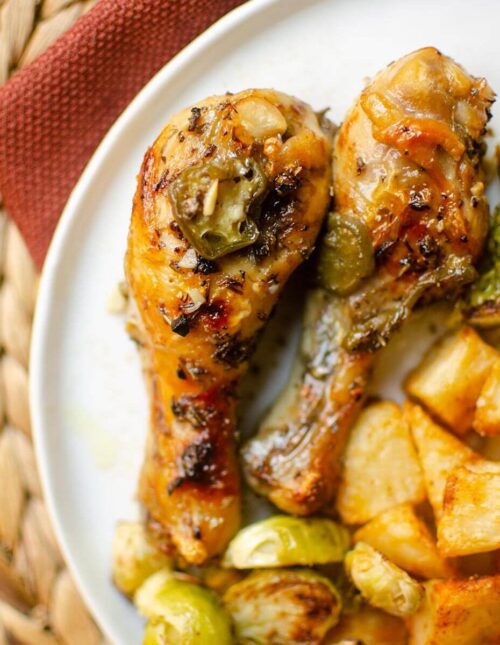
[175,484]
[197,533]
[181,136]
[474,201]
[205,267]
[194,118]
[180,325]
[418,202]
[181,374]
[360,165]
[209,150]
[162,181]
[464,239]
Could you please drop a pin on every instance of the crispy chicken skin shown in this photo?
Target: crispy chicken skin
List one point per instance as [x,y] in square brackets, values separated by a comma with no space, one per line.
[407,173]
[245,179]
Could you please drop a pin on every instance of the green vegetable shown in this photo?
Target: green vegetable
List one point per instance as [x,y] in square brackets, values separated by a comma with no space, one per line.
[281,541]
[283,607]
[484,298]
[346,255]
[214,204]
[182,612]
[135,558]
[382,583]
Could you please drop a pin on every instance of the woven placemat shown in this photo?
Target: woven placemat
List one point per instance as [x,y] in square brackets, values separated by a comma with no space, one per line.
[39,604]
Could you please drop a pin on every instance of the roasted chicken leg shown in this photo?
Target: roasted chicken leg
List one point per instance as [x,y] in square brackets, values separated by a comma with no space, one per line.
[230,199]
[410,220]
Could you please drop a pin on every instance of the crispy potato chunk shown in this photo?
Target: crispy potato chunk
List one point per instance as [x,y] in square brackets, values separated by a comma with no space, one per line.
[449,379]
[404,539]
[487,416]
[458,612]
[370,626]
[471,512]
[381,468]
[439,452]
[491,448]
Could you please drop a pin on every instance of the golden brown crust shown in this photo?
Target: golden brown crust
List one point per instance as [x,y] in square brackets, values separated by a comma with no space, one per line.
[199,318]
[407,163]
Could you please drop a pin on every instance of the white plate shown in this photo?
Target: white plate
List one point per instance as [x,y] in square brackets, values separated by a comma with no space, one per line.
[88,402]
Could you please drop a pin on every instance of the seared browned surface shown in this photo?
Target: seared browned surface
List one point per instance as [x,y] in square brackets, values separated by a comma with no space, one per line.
[407,163]
[198,325]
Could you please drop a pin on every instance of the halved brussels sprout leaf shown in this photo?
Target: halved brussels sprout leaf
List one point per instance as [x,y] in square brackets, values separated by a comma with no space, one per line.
[281,541]
[283,607]
[382,583]
[135,558]
[346,255]
[214,204]
[182,612]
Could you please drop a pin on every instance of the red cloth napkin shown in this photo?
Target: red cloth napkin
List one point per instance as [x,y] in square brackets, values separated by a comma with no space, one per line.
[54,112]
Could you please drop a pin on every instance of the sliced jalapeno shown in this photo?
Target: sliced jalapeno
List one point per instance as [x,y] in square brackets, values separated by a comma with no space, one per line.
[346,255]
[215,203]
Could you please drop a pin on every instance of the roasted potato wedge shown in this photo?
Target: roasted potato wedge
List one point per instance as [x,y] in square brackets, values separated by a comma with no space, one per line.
[404,539]
[487,415]
[439,452]
[451,376]
[369,626]
[470,522]
[491,448]
[381,468]
[458,612]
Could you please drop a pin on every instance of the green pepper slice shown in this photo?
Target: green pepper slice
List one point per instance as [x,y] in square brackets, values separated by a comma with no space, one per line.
[346,255]
[214,204]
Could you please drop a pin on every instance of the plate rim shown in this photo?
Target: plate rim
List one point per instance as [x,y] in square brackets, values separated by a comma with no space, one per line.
[39,425]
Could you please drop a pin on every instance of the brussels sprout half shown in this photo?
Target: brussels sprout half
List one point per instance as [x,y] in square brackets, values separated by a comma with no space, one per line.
[214,203]
[382,583]
[283,607]
[281,541]
[182,612]
[135,558]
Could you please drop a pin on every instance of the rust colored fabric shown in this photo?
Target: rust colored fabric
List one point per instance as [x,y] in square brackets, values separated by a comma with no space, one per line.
[55,111]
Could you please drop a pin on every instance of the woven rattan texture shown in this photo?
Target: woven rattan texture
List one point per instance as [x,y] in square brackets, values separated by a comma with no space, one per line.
[53,115]
[39,604]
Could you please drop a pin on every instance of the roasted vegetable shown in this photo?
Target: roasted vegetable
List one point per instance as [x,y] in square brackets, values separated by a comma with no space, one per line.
[438,451]
[283,607]
[458,612]
[382,583]
[135,557]
[214,204]
[402,537]
[407,168]
[346,254]
[229,201]
[450,377]
[381,468]
[281,541]
[182,612]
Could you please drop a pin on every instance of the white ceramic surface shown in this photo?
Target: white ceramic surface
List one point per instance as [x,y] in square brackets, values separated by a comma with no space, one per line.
[88,402]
